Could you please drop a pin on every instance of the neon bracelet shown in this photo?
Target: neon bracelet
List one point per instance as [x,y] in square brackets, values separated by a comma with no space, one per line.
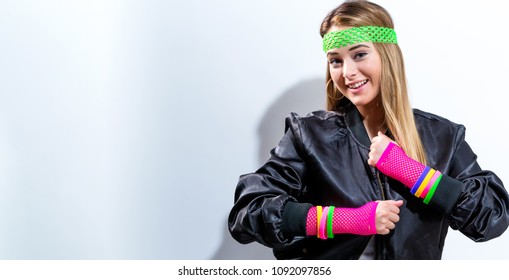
[425,182]
[330,217]
[323,224]
[430,184]
[318,217]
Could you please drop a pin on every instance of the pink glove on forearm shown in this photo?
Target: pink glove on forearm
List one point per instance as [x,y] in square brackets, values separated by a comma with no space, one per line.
[360,221]
[422,179]
[396,164]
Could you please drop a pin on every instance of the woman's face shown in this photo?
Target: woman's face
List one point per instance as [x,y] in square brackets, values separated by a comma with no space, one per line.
[355,71]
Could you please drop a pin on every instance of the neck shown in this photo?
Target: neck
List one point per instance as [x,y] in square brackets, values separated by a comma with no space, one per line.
[373,119]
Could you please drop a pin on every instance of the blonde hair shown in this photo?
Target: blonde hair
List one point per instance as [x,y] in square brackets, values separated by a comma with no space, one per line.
[399,115]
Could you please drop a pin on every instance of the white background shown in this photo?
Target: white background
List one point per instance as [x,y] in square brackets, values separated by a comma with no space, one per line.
[124,125]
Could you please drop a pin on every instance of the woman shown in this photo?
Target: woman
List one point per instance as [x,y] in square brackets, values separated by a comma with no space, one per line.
[369,178]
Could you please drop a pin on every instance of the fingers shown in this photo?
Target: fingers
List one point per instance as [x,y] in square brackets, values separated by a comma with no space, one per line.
[393,205]
[378,145]
[387,215]
[397,203]
[393,218]
[378,136]
[371,159]
[390,223]
[374,154]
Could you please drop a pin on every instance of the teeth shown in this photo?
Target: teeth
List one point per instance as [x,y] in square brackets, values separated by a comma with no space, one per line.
[356,85]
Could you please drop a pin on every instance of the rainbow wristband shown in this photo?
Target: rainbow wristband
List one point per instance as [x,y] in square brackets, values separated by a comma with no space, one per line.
[425,182]
[323,224]
[430,184]
[421,178]
[432,190]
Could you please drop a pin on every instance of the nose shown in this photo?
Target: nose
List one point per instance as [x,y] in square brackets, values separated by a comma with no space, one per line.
[349,69]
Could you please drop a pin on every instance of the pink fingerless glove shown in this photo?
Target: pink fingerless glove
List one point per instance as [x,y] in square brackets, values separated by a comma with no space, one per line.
[360,221]
[422,179]
[396,164]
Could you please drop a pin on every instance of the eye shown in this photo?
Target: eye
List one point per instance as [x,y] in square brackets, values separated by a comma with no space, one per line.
[335,62]
[360,55]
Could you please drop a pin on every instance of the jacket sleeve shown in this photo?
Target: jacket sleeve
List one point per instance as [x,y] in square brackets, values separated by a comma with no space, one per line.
[481,211]
[261,197]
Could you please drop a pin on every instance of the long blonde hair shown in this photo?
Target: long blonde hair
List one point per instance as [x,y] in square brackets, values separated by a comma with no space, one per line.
[399,116]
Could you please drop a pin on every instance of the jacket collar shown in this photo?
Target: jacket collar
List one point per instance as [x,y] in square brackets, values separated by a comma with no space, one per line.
[354,122]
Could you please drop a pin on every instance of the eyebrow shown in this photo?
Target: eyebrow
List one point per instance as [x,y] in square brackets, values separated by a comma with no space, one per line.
[350,49]
[358,46]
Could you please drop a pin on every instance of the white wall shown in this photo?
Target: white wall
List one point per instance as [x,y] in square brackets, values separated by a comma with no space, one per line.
[124,125]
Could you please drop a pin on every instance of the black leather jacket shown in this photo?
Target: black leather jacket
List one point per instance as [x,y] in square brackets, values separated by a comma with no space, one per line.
[322,160]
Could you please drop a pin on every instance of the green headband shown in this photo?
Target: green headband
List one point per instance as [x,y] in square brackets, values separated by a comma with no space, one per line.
[346,37]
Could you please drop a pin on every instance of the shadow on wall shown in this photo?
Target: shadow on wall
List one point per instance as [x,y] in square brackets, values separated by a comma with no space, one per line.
[304,97]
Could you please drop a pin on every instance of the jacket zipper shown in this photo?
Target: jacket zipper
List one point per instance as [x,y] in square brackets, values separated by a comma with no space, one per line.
[379,181]
[379,240]
[380,184]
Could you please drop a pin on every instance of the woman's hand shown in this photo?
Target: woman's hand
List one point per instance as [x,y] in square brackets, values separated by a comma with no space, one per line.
[378,145]
[387,215]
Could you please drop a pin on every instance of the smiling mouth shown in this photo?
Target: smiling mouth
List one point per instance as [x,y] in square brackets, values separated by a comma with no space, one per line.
[357,85]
